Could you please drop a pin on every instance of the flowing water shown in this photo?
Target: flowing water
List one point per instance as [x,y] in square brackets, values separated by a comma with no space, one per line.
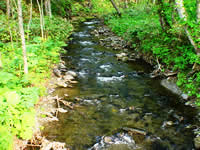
[115,96]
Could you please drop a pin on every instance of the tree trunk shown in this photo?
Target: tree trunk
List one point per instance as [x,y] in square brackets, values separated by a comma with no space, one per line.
[47,5]
[30,19]
[115,6]
[41,20]
[49,8]
[8,8]
[42,11]
[182,14]
[198,11]
[21,29]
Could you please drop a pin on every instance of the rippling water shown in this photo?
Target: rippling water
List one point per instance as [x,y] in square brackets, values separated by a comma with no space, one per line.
[117,95]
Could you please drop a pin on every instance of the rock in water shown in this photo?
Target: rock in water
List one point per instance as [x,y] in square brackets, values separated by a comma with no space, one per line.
[72,73]
[57,72]
[125,59]
[197,142]
[107,139]
[121,55]
[68,77]
[62,66]
[115,142]
[173,88]
[61,83]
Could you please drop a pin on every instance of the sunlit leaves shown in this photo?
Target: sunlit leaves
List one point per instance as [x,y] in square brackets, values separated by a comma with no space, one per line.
[12,98]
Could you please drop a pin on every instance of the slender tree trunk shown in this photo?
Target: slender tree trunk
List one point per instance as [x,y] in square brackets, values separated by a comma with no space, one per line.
[21,29]
[8,8]
[198,11]
[8,12]
[115,6]
[46,7]
[41,20]
[49,8]
[30,19]
[182,14]
[42,11]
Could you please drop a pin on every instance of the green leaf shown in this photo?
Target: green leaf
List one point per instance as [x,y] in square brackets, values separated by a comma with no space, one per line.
[12,98]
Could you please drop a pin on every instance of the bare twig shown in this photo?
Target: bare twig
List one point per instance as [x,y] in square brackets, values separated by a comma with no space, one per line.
[68,104]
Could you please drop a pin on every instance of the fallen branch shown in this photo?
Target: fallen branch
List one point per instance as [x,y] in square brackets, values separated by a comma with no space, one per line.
[32,145]
[68,104]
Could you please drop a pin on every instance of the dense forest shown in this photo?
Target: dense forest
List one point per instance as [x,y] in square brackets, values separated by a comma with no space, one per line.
[34,32]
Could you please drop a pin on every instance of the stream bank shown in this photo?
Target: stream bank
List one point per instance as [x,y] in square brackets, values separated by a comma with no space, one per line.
[126,53]
[117,103]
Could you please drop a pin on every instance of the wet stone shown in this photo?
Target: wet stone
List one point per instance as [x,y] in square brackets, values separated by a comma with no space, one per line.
[68,77]
[118,140]
[57,72]
[61,83]
[107,139]
[197,142]
[72,73]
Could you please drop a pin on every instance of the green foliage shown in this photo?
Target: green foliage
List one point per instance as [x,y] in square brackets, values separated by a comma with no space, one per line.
[140,26]
[8,29]
[6,141]
[58,25]
[69,8]
[20,93]
[101,7]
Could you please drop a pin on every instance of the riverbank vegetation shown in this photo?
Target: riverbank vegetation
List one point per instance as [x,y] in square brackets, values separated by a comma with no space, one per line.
[166,30]
[29,47]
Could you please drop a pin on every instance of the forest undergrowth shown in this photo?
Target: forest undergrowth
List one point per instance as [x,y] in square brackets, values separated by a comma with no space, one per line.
[20,92]
[140,25]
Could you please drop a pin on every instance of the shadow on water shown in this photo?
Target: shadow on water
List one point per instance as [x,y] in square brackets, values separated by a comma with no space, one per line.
[116,95]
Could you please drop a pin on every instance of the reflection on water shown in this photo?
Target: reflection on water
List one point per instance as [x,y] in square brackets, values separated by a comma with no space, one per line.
[114,95]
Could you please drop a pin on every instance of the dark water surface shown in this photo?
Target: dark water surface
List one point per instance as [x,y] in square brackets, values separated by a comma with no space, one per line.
[117,95]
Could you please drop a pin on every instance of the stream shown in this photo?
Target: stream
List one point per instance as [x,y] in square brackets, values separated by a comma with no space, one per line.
[120,106]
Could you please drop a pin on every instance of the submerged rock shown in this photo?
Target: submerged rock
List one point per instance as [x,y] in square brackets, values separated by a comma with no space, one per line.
[62,66]
[61,83]
[121,55]
[107,139]
[125,59]
[72,73]
[197,142]
[68,77]
[57,72]
[115,141]
[167,124]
